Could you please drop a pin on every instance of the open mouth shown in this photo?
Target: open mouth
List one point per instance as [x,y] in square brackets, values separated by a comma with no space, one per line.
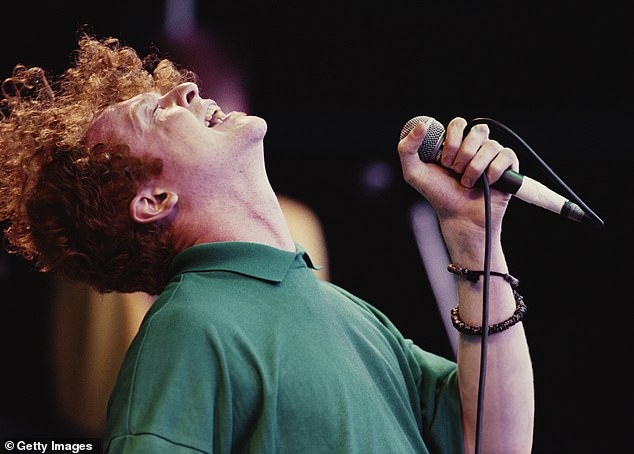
[214,116]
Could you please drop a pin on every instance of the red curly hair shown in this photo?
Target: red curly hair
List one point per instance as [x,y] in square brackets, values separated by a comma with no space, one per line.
[66,205]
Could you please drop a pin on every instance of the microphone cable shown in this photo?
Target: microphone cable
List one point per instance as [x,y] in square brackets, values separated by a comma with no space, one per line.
[598,222]
[485,310]
[487,256]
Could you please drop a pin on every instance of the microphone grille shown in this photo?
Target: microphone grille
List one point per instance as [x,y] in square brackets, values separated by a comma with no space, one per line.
[430,149]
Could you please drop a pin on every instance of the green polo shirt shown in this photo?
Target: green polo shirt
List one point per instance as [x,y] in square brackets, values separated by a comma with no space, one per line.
[247,352]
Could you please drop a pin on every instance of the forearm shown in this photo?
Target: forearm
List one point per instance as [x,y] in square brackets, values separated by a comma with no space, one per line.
[509,401]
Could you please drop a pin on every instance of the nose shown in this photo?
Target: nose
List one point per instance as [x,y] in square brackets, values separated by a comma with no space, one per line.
[182,95]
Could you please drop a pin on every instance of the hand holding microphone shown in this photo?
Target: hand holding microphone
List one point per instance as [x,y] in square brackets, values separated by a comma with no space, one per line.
[450,151]
[449,186]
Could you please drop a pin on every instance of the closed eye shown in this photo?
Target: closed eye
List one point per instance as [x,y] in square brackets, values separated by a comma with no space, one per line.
[156,109]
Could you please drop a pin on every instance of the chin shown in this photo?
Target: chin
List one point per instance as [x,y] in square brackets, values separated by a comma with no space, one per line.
[260,125]
[257,128]
[251,129]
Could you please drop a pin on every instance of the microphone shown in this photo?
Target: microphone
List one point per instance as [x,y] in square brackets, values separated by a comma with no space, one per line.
[511,182]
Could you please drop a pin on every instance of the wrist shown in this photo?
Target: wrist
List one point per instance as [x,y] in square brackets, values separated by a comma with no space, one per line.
[466,245]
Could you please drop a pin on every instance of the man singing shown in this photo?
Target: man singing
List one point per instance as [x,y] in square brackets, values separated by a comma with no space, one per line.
[121,175]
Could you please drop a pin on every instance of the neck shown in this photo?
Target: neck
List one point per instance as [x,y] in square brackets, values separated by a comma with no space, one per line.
[255,218]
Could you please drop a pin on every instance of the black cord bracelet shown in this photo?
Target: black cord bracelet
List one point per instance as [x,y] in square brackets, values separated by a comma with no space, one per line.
[474,276]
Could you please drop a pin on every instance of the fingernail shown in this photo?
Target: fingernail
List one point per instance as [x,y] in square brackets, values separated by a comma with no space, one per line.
[417,132]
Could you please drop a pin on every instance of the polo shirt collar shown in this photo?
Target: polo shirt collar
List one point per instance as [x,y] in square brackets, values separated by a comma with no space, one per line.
[250,259]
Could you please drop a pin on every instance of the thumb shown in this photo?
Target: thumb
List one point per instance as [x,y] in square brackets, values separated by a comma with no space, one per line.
[414,170]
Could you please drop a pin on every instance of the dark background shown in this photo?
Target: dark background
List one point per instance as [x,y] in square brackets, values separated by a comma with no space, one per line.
[335,84]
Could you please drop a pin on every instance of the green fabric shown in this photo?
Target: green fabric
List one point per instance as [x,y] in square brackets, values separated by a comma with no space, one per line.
[246,351]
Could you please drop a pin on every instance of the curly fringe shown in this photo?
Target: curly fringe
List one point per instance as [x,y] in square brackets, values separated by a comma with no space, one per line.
[65,205]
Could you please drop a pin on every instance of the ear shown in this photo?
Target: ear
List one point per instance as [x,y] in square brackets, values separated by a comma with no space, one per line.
[152,204]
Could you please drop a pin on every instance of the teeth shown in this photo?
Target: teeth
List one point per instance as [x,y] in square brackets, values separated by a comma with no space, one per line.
[218,116]
[214,116]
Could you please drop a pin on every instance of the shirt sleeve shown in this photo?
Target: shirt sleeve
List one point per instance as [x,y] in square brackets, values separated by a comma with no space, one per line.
[437,382]
[147,444]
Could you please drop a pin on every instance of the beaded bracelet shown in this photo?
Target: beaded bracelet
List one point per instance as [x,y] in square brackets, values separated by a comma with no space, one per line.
[518,315]
[473,276]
